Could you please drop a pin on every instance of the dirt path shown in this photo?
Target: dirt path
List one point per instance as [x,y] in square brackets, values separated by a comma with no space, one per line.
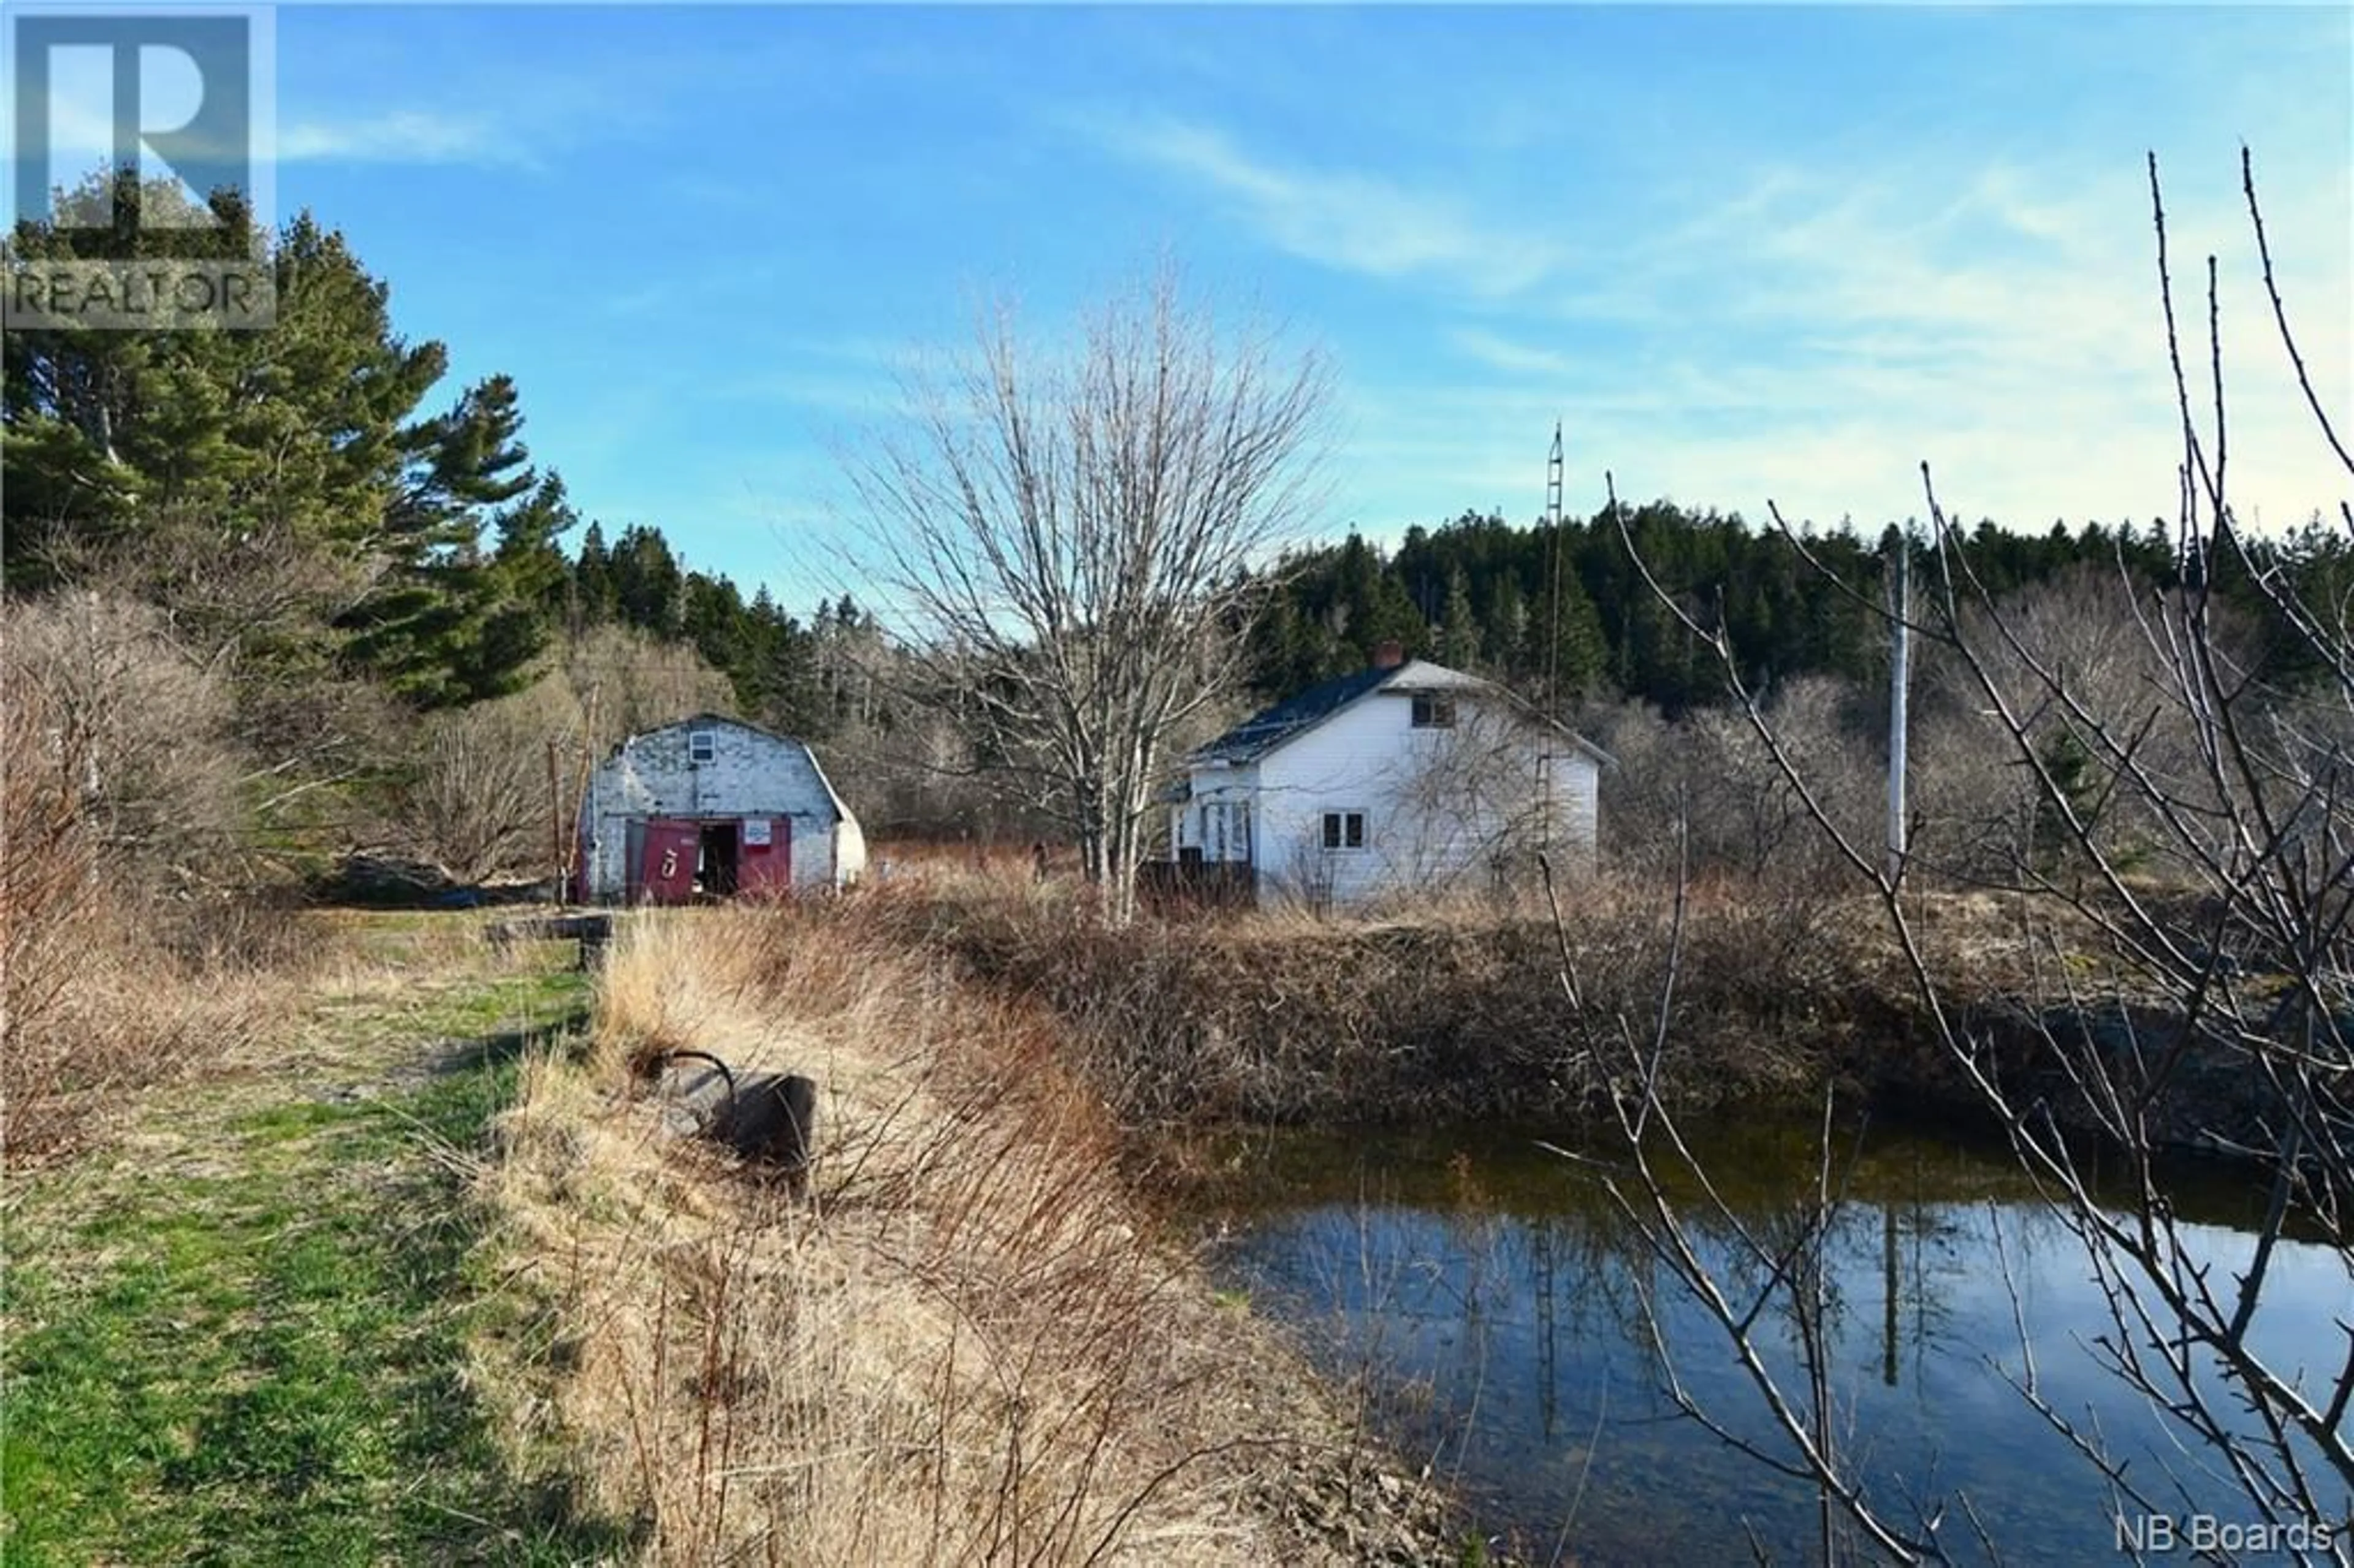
[250,1326]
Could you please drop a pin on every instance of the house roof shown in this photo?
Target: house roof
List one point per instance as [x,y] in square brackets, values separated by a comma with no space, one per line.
[1270,728]
[1264,731]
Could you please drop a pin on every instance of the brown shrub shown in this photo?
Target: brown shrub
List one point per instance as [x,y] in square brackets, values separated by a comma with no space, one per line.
[1448,1013]
[124,957]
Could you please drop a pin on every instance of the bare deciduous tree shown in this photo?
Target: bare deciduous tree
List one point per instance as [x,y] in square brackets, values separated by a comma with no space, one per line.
[2210,1003]
[2082,634]
[1066,538]
[137,731]
[1706,788]
[1465,807]
[627,682]
[487,785]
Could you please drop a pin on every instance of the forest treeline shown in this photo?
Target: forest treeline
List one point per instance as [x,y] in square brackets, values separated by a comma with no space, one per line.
[292,592]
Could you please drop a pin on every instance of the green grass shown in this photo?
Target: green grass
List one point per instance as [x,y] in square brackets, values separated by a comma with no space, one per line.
[265,1360]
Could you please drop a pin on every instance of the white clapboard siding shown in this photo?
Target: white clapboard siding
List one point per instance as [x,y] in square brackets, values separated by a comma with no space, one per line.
[1436,803]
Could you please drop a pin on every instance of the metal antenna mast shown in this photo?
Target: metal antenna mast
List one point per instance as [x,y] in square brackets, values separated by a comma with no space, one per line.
[1553,593]
[1553,637]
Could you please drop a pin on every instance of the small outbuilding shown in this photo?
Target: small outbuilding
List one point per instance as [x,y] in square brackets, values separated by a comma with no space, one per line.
[1403,777]
[709,806]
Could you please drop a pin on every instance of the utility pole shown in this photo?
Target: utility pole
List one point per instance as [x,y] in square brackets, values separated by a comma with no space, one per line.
[580,794]
[1900,609]
[556,821]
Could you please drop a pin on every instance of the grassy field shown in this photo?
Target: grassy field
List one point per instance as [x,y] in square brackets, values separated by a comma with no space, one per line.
[252,1323]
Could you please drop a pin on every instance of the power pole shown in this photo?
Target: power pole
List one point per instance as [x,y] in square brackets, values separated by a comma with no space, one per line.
[1900,609]
[556,821]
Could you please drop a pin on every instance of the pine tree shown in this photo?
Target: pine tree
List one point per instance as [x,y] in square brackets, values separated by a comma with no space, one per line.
[288,441]
[446,624]
[649,587]
[594,598]
[1372,608]
[1460,636]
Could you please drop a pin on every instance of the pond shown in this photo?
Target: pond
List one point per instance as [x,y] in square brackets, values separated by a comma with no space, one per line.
[1490,1294]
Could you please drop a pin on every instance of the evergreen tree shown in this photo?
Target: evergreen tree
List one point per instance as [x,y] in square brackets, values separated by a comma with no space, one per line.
[1507,627]
[450,621]
[649,587]
[1371,607]
[1581,665]
[1461,636]
[292,436]
[594,599]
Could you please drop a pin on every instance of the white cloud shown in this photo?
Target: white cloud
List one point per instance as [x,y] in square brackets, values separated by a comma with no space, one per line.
[1813,339]
[1356,222]
[403,136]
[1513,358]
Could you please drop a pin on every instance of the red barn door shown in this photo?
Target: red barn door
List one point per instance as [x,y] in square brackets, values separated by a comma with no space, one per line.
[764,856]
[666,871]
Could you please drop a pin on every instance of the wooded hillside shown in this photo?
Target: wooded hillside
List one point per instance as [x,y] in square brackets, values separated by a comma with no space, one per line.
[377,604]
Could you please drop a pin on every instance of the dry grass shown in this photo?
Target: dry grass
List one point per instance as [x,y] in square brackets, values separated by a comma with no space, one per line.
[960,1348]
[122,1015]
[106,987]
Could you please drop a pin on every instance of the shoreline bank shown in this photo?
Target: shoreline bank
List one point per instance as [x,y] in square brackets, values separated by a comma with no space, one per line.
[970,1340]
[1476,1014]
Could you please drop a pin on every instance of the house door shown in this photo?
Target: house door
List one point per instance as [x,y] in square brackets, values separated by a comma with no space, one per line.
[666,861]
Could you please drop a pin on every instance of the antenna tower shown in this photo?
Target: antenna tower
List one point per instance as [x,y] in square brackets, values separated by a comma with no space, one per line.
[1552,591]
[1552,640]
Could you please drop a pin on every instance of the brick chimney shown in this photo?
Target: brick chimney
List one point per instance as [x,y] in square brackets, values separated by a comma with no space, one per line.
[1389,654]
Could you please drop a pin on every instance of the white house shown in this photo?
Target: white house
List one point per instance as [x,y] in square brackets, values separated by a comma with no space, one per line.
[1406,775]
[711,805]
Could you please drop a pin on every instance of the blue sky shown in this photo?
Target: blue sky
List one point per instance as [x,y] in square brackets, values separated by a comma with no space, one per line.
[1743,253]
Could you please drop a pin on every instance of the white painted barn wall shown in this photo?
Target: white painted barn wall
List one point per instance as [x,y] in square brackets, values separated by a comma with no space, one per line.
[751,774]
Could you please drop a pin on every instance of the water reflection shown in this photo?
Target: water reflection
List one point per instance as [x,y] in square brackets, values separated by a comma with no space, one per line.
[1499,1303]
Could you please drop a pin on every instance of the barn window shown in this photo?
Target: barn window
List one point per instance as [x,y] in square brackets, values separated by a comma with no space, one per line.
[1433,712]
[701,745]
[1344,830]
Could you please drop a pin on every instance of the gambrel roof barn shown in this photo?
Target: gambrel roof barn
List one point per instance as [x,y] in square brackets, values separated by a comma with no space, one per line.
[712,807]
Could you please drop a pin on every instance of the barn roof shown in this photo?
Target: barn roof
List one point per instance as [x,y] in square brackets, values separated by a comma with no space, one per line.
[698,721]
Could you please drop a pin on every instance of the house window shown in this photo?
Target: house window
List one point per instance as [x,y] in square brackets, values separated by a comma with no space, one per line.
[1344,830]
[700,744]
[1431,712]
